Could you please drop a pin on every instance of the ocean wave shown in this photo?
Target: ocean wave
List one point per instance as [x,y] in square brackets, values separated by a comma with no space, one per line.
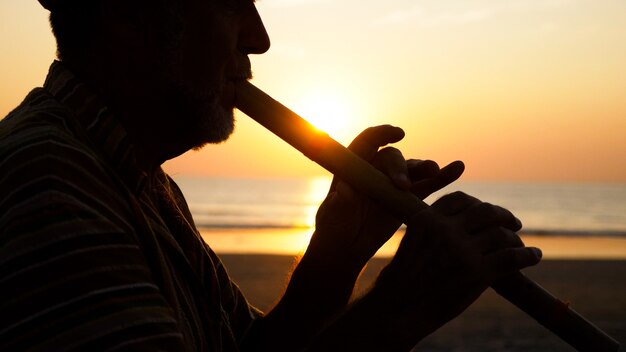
[573,233]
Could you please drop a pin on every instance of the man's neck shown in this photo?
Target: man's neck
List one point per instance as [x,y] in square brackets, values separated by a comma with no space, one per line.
[142,115]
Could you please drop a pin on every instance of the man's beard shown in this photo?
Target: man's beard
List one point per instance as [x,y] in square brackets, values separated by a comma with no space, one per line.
[201,118]
[197,116]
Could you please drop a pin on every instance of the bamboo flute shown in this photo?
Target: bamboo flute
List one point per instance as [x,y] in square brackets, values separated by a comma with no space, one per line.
[328,153]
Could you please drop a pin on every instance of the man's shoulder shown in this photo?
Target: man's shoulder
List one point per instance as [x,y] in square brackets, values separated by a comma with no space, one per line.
[42,153]
[38,115]
[47,164]
[39,129]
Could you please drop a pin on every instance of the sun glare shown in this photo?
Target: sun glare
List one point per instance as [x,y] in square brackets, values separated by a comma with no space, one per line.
[327,112]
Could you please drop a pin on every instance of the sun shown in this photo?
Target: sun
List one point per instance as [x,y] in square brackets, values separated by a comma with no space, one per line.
[328,112]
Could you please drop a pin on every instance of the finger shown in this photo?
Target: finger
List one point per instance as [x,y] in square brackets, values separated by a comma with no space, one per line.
[423,230]
[344,193]
[444,177]
[422,169]
[496,238]
[510,260]
[483,215]
[454,203]
[391,162]
[366,144]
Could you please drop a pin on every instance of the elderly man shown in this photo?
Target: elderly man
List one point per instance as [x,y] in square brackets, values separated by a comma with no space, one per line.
[98,250]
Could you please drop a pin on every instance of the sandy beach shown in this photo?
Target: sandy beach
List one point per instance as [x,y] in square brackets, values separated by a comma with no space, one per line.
[595,288]
[589,272]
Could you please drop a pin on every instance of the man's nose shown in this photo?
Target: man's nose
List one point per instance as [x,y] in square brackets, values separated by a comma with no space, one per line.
[253,38]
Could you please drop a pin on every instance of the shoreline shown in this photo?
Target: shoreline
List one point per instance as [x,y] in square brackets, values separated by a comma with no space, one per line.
[294,241]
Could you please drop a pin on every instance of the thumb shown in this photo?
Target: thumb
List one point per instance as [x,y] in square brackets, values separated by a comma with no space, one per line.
[367,143]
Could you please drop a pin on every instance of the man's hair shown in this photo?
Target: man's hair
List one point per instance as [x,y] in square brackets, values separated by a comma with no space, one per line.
[76,23]
[75,26]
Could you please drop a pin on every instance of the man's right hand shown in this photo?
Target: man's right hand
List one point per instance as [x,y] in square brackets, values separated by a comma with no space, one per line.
[448,257]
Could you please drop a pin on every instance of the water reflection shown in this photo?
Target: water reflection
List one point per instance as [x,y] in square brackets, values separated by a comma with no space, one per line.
[277,216]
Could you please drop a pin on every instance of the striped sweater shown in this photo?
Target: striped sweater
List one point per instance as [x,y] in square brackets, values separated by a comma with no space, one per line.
[96,254]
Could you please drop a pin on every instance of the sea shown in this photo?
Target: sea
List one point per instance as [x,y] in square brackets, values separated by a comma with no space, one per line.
[262,206]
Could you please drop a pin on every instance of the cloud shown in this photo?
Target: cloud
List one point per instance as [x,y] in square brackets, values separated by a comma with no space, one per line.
[288,51]
[549,27]
[400,16]
[418,16]
[533,5]
[456,19]
[293,3]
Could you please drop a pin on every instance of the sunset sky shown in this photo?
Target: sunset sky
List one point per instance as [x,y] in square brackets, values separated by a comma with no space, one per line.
[520,90]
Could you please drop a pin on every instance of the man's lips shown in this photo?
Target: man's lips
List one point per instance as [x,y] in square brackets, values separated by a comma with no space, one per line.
[229,94]
[238,71]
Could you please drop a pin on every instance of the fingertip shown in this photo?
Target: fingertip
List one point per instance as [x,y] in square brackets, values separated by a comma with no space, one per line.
[430,167]
[518,224]
[369,140]
[533,257]
[454,170]
[458,165]
[536,252]
[398,133]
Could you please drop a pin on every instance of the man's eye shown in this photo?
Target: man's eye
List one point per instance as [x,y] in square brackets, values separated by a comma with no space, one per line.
[232,4]
[236,4]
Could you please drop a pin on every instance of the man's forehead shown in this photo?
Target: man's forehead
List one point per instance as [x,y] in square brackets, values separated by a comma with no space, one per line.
[52,4]
[48,4]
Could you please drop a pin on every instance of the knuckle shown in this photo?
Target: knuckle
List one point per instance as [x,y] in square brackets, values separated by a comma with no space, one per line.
[456,196]
[482,213]
[493,211]
[456,202]
[370,130]
[515,240]
[484,208]
[391,151]
[459,194]
[366,135]
[510,259]
[506,238]
[414,162]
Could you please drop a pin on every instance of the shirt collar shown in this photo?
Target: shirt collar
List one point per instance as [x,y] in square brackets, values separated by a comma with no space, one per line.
[101,125]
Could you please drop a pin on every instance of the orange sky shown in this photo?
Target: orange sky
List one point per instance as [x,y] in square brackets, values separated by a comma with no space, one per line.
[519,90]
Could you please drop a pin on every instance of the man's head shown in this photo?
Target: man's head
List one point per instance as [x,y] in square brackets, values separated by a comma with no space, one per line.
[180,57]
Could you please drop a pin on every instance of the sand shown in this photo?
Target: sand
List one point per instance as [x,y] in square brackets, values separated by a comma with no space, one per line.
[595,288]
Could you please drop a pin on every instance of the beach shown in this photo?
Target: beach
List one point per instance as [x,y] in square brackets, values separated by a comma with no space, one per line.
[594,288]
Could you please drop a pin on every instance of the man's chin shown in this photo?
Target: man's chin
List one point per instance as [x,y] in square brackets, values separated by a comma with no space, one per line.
[216,128]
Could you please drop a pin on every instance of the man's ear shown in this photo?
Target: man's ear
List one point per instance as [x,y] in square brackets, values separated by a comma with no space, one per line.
[125,21]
